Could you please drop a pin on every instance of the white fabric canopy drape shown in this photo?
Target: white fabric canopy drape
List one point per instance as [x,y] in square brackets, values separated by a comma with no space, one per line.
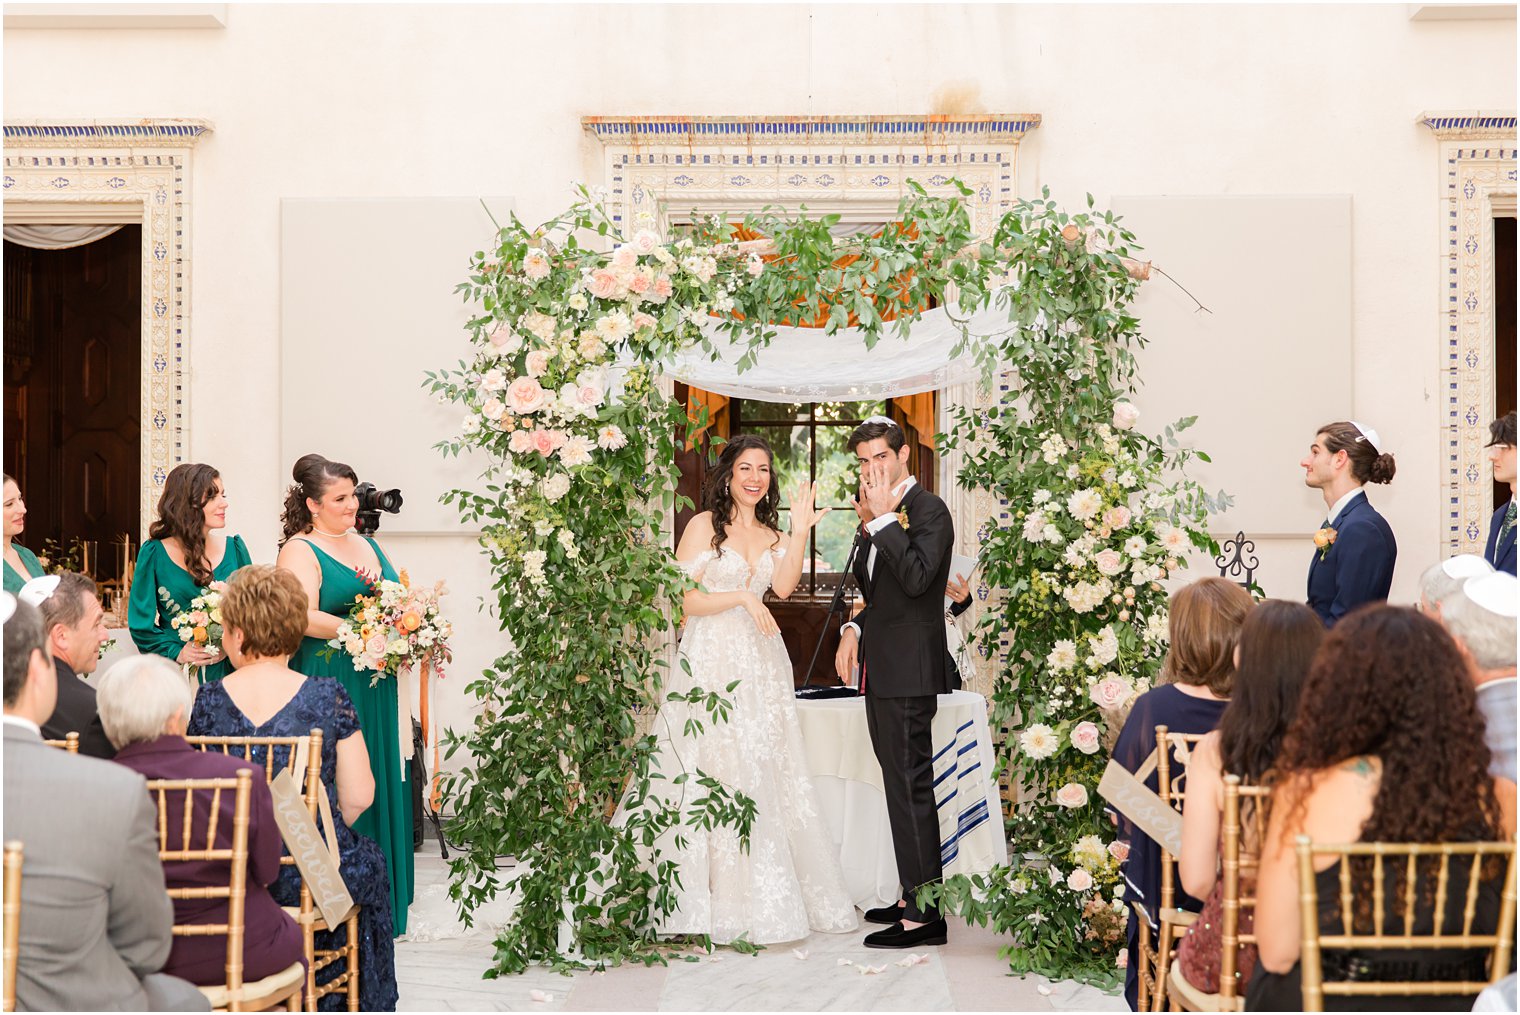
[807,365]
[57,237]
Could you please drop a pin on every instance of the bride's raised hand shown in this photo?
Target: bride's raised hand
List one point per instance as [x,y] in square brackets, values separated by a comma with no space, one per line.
[805,513]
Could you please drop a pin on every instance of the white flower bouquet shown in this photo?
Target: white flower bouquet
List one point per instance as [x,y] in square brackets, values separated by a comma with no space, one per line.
[395,627]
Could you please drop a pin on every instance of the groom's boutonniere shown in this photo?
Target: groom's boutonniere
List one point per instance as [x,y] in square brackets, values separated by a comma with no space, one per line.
[902,518]
[1324,539]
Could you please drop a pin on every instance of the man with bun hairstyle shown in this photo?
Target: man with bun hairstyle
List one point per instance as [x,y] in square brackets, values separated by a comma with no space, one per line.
[1354,549]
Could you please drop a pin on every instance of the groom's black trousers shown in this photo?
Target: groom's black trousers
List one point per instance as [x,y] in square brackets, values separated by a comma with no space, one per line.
[901,734]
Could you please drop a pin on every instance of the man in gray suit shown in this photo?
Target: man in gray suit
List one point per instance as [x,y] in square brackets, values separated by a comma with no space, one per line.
[95,917]
[1482,618]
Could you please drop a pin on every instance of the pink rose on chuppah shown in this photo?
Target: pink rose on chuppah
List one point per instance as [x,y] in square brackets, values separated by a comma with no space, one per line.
[1109,562]
[536,265]
[1117,517]
[525,395]
[492,409]
[493,380]
[1110,693]
[1073,794]
[662,287]
[1085,737]
[1079,880]
[639,283]
[1125,415]
[602,284]
[1119,850]
[521,441]
[588,391]
[625,257]
[543,442]
[505,339]
[538,363]
[641,321]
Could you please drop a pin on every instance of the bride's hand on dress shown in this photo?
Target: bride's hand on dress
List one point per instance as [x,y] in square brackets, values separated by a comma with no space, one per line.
[803,506]
[764,622]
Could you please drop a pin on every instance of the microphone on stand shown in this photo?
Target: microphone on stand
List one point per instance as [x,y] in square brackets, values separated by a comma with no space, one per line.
[835,606]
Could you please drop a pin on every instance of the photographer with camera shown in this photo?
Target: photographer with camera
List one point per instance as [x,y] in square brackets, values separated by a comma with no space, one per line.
[326,544]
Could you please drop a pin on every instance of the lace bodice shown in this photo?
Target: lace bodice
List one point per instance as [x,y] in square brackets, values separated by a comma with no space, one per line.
[726,570]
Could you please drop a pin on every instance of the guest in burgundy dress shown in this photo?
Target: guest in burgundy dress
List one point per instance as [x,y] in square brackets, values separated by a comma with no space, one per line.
[144,702]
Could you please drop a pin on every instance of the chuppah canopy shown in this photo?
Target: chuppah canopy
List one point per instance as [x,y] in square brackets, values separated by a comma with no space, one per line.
[807,364]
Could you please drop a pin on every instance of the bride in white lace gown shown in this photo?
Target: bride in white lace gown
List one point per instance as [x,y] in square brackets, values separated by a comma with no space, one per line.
[789,881]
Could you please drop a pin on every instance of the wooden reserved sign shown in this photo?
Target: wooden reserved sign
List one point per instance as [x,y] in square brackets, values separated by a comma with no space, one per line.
[1142,805]
[317,862]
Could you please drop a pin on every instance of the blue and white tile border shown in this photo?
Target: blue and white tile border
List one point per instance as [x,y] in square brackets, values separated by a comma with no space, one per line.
[668,166]
[1477,178]
[79,170]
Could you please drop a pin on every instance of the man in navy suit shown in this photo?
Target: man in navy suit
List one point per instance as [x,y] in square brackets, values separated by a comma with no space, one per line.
[1355,554]
[1500,551]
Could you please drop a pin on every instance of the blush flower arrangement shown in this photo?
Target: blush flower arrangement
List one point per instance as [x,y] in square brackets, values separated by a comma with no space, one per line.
[397,626]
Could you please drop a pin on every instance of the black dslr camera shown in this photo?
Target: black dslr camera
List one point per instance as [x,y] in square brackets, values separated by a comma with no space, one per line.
[371,503]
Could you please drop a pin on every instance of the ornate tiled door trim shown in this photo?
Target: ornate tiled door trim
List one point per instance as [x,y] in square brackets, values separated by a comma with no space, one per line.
[661,168]
[126,171]
[1477,159]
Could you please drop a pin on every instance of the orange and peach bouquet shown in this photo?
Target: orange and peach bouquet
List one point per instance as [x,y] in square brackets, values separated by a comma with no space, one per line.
[397,626]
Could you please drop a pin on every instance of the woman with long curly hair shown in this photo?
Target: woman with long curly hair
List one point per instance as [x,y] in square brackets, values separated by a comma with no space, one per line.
[185,552]
[788,882]
[1277,644]
[1387,747]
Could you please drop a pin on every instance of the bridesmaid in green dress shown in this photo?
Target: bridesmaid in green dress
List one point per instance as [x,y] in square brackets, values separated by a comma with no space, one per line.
[21,565]
[185,552]
[322,550]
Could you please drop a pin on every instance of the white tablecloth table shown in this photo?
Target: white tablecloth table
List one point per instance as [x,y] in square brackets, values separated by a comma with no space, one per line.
[847,779]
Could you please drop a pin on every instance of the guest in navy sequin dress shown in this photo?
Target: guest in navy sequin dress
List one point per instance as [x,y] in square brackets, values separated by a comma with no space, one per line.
[264,619]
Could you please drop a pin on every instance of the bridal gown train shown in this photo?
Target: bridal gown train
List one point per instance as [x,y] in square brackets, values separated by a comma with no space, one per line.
[789,882]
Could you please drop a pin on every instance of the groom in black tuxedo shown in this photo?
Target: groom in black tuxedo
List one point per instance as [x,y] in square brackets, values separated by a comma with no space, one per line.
[900,635]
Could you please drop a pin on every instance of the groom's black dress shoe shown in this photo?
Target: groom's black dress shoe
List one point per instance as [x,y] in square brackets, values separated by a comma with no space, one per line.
[885,914]
[898,936]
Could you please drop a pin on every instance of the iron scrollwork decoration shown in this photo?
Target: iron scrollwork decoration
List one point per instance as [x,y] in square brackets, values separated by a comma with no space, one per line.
[1242,565]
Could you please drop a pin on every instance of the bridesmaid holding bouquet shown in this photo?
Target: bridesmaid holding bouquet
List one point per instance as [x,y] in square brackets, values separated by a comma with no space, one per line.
[186,551]
[321,549]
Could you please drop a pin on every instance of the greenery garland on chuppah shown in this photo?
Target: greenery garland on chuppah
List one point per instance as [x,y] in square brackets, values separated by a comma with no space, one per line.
[561,401]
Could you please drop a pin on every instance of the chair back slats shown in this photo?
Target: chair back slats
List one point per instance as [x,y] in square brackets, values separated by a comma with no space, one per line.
[70,743]
[1499,942]
[1234,864]
[12,920]
[237,856]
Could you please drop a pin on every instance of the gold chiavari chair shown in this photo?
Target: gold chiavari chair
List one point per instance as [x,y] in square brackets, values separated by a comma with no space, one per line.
[1234,863]
[306,914]
[70,743]
[1156,953]
[1499,942]
[12,919]
[233,995]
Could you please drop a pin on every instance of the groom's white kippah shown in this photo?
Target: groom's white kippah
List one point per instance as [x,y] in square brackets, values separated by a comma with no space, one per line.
[882,419]
[1466,565]
[1370,436]
[1498,593]
[38,590]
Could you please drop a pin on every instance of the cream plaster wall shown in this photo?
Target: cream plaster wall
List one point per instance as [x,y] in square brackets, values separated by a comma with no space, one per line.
[324,102]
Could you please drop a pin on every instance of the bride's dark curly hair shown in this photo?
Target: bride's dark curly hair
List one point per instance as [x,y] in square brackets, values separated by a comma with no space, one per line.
[717,498]
[1390,682]
[182,514]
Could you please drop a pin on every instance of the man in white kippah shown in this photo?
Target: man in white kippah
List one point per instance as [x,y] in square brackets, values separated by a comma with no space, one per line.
[1482,620]
[1445,579]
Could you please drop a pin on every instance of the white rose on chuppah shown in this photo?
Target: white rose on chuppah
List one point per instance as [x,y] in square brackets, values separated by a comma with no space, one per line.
[1084,504]
[576,451]
[1042,497]
[1085,737]
[1079,880]
[1125,415]
[1039,741]
[556,486]
[521,441]
[492,409]
[538,362]
[525,395]
[610,438]
[1034,527]
[1073,794]
[624,257]
[493,380]
[644,241]
[577,301]
[1052,534]
[536,265]
[1063,656]
[1105,647]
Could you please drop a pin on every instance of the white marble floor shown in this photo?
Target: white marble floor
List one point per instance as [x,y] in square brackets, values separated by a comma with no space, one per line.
[823,973]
